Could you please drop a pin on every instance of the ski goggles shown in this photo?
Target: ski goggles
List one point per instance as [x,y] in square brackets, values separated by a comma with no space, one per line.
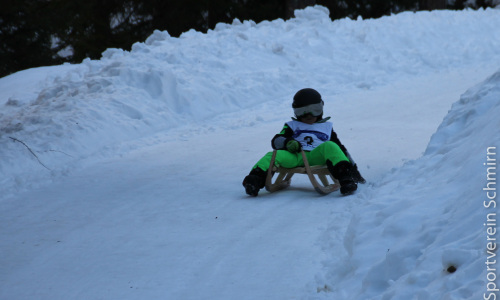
[313,109]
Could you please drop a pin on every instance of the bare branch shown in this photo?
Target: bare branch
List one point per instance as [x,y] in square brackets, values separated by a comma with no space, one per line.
[31,151]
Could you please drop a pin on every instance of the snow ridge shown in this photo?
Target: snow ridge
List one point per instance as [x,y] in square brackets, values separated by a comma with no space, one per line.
[430,214]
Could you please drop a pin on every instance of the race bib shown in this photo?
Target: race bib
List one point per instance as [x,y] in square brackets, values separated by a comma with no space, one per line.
[310,136]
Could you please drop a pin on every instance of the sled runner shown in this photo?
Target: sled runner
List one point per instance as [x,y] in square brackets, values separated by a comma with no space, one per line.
[284,176]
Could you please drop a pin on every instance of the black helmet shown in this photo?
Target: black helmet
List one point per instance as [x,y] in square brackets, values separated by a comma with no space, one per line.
[308,101]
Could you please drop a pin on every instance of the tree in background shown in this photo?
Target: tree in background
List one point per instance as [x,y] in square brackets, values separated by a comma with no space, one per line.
[88,27]
[431,4]
[25,38]
[35,33]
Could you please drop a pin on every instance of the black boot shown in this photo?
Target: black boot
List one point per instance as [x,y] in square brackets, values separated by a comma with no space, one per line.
[356,175]
[254,181]
[342,172]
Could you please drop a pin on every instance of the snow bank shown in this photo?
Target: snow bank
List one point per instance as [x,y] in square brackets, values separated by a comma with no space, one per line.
[431,214]
[70,114]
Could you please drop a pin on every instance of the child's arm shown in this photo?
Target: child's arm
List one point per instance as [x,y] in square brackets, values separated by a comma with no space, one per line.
[334,138]
[279,141]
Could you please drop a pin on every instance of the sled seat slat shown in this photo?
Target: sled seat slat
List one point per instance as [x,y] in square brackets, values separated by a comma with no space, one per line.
[302,170]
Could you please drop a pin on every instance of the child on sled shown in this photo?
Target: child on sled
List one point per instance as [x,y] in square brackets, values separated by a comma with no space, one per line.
[313,134]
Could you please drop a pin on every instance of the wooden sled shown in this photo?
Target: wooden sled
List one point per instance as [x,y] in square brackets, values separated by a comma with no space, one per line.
[284,177]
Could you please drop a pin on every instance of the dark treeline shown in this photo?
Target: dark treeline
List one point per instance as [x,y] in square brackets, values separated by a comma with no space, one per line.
[46,32]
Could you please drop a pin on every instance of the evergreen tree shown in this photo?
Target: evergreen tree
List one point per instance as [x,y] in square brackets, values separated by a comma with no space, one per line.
[25,36]
[91,26]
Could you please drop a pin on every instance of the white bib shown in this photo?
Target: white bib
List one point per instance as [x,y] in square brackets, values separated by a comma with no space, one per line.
[310,136]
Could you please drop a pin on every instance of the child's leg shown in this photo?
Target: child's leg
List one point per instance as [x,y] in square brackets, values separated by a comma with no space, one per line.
[338,164]
[257,177]
[283,159]
[326,151]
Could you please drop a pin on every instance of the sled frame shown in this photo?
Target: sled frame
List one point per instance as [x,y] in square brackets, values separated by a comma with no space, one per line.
[284,176]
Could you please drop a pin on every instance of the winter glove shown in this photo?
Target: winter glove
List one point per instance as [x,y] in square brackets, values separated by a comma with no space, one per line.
[356,175]
[293,146]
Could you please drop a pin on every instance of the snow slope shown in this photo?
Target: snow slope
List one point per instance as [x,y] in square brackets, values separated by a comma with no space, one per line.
[143,152]
[429,214]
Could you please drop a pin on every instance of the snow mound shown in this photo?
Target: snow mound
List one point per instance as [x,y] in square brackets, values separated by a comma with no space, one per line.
[72,113]
[421,233]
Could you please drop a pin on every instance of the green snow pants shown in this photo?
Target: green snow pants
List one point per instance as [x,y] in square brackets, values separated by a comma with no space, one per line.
[318,156]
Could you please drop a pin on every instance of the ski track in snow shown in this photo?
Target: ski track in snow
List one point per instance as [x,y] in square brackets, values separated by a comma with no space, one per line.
[147,202]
